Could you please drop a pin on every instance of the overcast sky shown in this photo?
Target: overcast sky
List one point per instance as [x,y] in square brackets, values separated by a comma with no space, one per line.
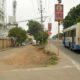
[28,9]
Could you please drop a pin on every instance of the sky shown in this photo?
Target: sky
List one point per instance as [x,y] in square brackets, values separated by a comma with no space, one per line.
[29,9]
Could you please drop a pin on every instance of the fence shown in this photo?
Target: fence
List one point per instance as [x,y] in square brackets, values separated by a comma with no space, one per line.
[6,42]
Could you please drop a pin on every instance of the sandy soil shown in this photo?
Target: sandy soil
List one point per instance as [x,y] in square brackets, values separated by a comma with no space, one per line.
[28,57]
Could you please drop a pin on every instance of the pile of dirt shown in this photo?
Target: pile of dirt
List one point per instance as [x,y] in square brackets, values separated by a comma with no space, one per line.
[29,56]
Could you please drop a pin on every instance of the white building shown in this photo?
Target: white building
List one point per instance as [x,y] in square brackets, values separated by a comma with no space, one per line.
[12,19]
[2,12]
[2,17]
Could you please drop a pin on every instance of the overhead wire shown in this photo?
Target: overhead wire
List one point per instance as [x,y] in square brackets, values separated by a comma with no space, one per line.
[33,7]
[45,3]
[47,8]
[38,4]
[51,15]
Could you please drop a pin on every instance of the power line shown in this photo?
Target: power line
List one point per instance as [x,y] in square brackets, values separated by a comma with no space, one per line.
[45,4]
[38,3]
[51,15]
[33,7]
[31,19]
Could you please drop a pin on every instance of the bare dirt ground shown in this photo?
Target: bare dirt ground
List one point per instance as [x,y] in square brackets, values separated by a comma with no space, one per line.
[28,57]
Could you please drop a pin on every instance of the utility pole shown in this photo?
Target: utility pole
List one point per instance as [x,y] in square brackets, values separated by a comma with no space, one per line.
[59,18]
[14,10]
[41,11]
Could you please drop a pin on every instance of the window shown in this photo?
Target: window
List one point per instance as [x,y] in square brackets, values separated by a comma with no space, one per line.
[73,33]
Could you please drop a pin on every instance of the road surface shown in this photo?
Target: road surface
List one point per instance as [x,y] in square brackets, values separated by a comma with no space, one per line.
[75,55]
[65,70]
[41,74]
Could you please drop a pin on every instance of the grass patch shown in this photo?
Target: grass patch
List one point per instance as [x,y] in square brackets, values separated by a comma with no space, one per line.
[52,60]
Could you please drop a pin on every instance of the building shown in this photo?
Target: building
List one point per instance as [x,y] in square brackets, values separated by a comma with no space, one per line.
[14,10]
[12,19]
[2,16]
[4,28]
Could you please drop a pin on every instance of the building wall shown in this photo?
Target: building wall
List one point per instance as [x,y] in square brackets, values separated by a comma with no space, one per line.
[5,43]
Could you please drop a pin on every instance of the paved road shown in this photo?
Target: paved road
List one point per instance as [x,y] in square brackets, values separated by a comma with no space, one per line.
[42,74]
[75,55]
[65,70]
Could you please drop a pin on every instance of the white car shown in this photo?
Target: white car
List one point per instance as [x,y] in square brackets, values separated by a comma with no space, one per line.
[34,42]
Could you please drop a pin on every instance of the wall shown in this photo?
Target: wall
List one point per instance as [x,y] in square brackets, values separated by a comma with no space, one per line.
[6,42]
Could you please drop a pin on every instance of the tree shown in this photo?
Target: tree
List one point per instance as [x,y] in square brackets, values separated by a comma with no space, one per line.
[56,36]
[35,29]
[78,19]
[42,36]
[72,17]
[19,34]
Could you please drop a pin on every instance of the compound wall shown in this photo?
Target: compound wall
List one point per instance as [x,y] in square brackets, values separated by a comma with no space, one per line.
[5,43]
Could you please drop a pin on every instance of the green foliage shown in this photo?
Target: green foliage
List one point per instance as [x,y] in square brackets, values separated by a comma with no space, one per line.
[19,34]
[41,36]
[52,60]
[78,19]
[35,29]
[72,17]
[56,36]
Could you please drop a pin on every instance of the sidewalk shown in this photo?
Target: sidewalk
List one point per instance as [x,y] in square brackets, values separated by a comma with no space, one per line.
[64,60]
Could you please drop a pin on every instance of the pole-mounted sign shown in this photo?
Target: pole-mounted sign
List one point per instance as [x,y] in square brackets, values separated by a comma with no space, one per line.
[58,12]
[49,26]
[59,18]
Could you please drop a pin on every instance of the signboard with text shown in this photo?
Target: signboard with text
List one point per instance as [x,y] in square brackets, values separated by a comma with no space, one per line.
[58,12]
[49,33]
[49,26]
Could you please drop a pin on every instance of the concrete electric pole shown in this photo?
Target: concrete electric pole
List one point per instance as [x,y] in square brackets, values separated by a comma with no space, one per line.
[41,11]
[14,10]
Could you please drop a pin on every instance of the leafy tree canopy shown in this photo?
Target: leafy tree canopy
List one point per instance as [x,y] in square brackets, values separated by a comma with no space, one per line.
[73,17]
[36,29]
[42,36]
[56,36]
[19,34]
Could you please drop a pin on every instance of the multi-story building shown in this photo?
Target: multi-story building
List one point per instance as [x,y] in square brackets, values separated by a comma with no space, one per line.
[2,13]
[4,28]
[2,16]
[12,19]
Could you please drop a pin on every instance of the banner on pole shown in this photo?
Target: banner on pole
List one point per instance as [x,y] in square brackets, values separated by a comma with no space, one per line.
[49,26]
[58,12]
[49,33]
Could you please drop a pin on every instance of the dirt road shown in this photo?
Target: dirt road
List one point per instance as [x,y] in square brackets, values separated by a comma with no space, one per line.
[24,57]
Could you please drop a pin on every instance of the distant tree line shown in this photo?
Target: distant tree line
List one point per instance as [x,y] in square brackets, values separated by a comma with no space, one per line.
[56,36]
